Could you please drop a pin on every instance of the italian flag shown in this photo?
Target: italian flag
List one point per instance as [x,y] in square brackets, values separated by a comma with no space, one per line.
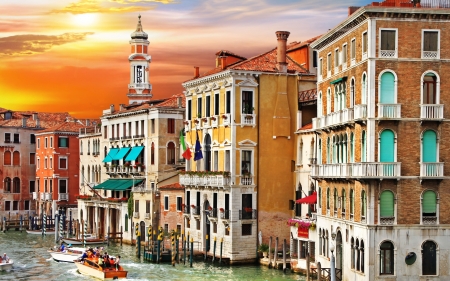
[186,151]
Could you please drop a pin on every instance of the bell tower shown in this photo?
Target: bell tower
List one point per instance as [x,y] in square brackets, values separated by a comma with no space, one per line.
[139,88]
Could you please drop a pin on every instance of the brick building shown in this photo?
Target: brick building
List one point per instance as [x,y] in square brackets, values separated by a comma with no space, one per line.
[381,174]
[171,207]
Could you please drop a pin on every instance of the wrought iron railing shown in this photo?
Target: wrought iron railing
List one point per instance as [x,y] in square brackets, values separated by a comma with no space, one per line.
[247,214]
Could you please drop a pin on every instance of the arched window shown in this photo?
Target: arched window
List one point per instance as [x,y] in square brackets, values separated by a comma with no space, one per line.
[83,179]
[7,158]
[300,152]
[364,89]
[429,258]
[387,258]
[320,197]
[105,151]
[334,157]
[16,158]
[344,149]
[387,88]
[357,254]
[319,105]
[352,252]
[328,101]
[324,247]
[81,147]
[126,222]
[171,153]
[387,152]
[361,254]
[319,152]
[320,241]
[429,207]
[16,185]
[352,93]
[429,88]
[429,149]
[363,147]
[352,148]
[89,174]
[352,203]
[152,154]
[327,241]
[7,185]
[344,203]
[328,199]
[363,205]
[89,148]
[335,199]
[328,150]
[386,205]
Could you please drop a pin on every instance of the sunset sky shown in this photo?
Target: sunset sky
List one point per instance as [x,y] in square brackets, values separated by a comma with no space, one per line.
[72,55]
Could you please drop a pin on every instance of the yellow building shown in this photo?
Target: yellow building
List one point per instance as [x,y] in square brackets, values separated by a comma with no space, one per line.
[243,113]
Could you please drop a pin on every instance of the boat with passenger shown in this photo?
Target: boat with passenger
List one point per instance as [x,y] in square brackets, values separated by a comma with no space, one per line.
[6,263]
[69,254]
[91,267]
[90,240]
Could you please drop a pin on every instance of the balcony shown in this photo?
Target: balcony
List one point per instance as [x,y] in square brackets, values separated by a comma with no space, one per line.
[205,180]
[147,215]
[187,125]
[186,211]
[214,121]
[368,170]
[428,220]
[360,111]
[387,220]
[195,210]
[333,119]
[388,53]
[247,214]
[138,136]
[42,196]
[35,195]
[248,119]
[205,122]
[48,196]
[246,180]
[389,111]
[136,215]
[225,215]
[432,111]
[431,55]
[63,196]
[432,170]
[226,119]
[213,213]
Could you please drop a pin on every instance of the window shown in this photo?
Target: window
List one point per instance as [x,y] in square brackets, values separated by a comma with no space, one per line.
[16,158]
[364,45]
[352,202]
[363,204]
[388,43]
[197,224]
[51,141]
[246,229]
[344,56]
[7,137]
[7,158]
[319,105]
[430,44]
[353,51]
[429,258]
[166,228]
[7,205]
[171,153]
[152,154]
[216,160]
[363,147]
[15,205]
[329,65]
[246,162]
[136,206]
[171,126]
[214,227]
[388,91]
[336,58]
[45,163]
[228,102]
[227,160]
[188,109]
[328,199]
[216,104]
[51,162]
[429,207]
[386,205]
[45,142]
[364,90]
[38,166]
[344,202]
[247,102]
[320,197]
[26,205]
[387,150]
[352,148]
[387,258]
[328,101]
[361,255]
[16,185]
[429,89]
[179,229]
[199,107]
[147,206]
[335,199]
[208,106]
[429,153]
[166,203]
[320,68]
[16,138]
[62,186]
[32,186]
[357,254]
[39,143]
[63,142]
[32,138]
[352,93]
[63,163]
[179,203]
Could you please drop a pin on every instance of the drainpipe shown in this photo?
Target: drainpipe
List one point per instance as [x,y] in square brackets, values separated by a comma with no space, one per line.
[259,153]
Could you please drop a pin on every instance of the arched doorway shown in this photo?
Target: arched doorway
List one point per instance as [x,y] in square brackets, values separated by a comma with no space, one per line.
[339,255]
[207,152]
[206,226]
[142,230]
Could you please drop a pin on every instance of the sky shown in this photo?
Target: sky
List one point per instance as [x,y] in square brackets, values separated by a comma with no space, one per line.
[72,55]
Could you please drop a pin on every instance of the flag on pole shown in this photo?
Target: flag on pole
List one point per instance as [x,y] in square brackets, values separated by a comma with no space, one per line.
[198,150]
[187,154]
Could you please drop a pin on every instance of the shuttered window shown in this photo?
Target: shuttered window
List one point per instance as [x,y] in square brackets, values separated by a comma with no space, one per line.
[7,158]
[430,41]
[363,203]
[429,146]
[388,40]
[387,204]
[387,88]
[344,201]
[328,198]
[16,158]
[352,201]
[387,146]
[429,203]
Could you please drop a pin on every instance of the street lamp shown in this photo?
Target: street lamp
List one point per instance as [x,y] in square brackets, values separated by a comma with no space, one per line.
[332,265]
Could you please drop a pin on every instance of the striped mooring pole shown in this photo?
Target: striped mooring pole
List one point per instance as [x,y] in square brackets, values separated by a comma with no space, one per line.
[84,234]
[173,246]
[61,225]
[44,224]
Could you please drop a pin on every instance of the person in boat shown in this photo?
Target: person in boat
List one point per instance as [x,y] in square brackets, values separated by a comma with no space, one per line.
[83,256]
[62,248]
[116,262]
[5,258]
[100,262]
[106,261]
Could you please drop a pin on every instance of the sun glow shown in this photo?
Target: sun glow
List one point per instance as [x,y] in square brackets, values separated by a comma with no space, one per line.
[84,19]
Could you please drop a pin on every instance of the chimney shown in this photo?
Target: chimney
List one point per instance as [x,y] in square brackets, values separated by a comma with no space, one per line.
[223,62]
[24,122]
[88,123]
[196,71]
[179,103]
[35,116]
[111,108]
[352,9]
[38,125]
[282,37]
[122,106]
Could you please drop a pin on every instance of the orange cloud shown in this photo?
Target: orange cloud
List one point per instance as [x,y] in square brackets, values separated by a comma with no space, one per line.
[31,44]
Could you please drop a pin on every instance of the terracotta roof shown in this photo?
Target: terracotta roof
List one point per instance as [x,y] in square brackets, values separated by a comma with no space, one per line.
[45,119]
[266,62]
[296,45]
[172,186]
[69,126]
[228,53]
[306,127]
[172,102]
[307,95]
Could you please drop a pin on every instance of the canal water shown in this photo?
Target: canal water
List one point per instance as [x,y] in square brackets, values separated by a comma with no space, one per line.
[33,262]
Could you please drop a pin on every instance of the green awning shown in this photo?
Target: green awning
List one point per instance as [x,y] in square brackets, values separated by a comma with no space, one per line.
[339,80]
[118,184]
[112,152]
[122,152]
[134,153]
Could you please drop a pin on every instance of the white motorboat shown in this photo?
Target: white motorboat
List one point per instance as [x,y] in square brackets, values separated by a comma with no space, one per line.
[69,255]
[5,266]
[90,267]
[90,240]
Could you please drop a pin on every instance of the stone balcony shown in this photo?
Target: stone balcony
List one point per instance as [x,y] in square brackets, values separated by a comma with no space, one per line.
[389,111]
[204,179]
[333,119]
[47,196]
[63,196]
[432,170]
[368,170]
[248,120]
[432,112]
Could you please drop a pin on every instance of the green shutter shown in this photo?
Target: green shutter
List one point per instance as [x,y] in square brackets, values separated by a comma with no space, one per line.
[429,202]
[387,204]
[126,222]
[387,146]
[429,146]
[363,199]
[387,88]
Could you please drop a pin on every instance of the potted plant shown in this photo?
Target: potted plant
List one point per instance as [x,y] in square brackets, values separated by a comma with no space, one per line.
[224,116]
[193,206]
[205,119]
[213,118]
[263,248]
[186,122]
[221,210]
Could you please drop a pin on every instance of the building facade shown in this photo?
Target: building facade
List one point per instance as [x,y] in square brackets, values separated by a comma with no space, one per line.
[381,153]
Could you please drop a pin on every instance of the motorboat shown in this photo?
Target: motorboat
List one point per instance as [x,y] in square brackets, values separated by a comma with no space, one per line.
[5,266]
[68,255]
[90,267]
[90,240]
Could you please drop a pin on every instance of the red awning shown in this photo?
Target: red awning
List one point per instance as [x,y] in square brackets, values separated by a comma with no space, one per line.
[311,199]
